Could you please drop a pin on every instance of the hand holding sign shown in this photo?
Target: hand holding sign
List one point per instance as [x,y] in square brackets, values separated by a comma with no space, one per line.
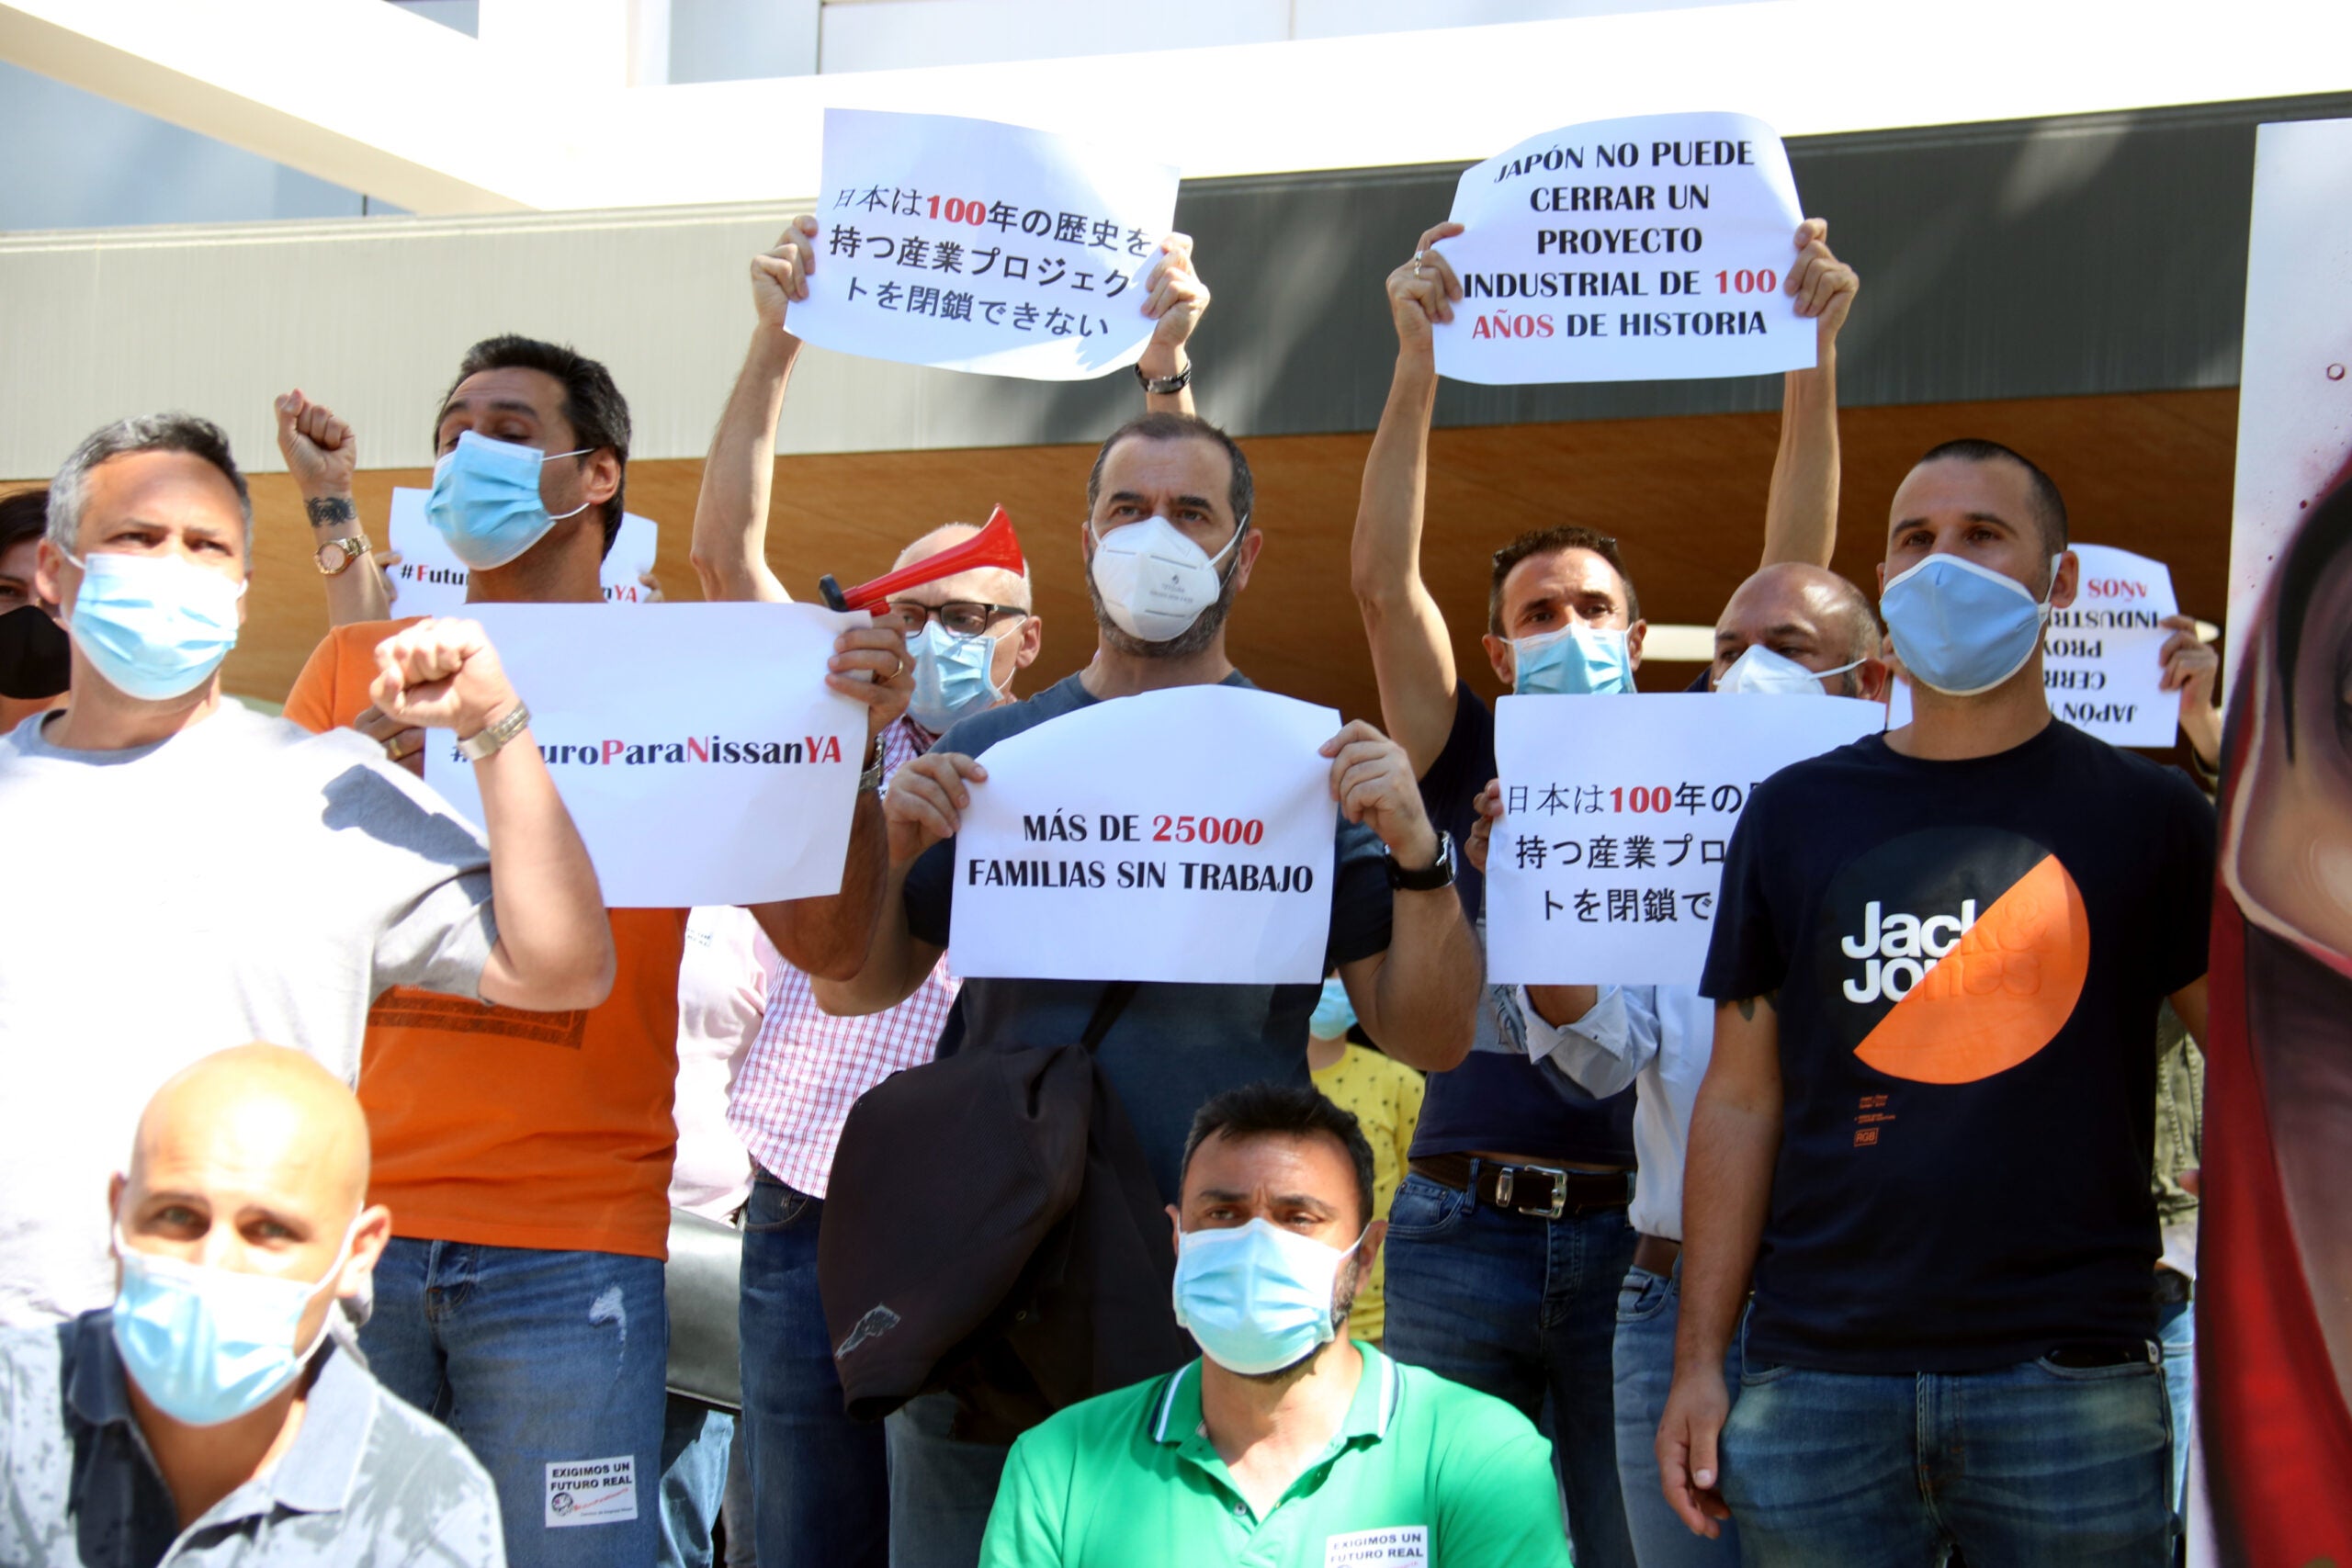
[2193,667]
[1373,781]
[780,276]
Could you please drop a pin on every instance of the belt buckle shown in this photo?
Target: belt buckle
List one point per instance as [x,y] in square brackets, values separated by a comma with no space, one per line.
[1507,1183]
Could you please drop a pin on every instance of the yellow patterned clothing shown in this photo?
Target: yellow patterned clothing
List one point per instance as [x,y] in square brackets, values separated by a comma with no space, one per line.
[1385,1097]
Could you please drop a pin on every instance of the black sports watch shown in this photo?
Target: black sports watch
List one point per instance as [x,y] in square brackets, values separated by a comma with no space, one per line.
[1430,879]
[1164,386]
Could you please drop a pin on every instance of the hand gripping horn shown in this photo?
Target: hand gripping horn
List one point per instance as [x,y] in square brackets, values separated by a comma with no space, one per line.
[994,545]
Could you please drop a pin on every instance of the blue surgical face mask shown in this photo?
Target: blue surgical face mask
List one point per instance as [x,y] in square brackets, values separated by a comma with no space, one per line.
[1257,1298]
[154,626]
[1961,628]
[1760,669]
[485,500]
[1572,660]
[1334,1014]
[952,676]
[209,1344]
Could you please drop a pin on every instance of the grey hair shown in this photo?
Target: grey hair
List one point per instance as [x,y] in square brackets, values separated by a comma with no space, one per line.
[148,432]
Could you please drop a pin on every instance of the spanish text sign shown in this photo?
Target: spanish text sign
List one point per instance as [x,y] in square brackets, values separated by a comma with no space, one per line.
[970,245]
[1176,834]
[1617,812]
[1627,250]
[697,745]
[431,580]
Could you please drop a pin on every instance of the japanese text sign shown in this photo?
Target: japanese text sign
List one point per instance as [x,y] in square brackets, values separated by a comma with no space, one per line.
[1617,813]
[430,581]
[1627,250]
[2102,658]
[697,745]
[970,245]
[1176,834]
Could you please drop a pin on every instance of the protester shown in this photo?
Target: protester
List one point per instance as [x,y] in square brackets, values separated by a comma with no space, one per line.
[1178,488]
[1384,1097]
[211,1415]
[36,656]
[528,1160]
[1937,962]
[1517,1296]
[1790,629]
[1284,1442]
[285,881]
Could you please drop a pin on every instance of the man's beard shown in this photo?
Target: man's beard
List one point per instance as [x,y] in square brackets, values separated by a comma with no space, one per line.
[1340,1307]
[1191,640]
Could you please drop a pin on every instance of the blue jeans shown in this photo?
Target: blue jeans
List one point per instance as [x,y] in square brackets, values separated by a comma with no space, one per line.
[2029,1466]
[1524,1309]
[2176,1332]
[942,1487]
[537,1359]
[820,1481]
[695,1439]
[1647,1306]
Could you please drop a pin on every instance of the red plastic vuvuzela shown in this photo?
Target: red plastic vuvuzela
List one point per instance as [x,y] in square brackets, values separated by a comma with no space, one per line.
[994,545]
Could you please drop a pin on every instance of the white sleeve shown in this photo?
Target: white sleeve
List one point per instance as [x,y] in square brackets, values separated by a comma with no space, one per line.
[1603,1050]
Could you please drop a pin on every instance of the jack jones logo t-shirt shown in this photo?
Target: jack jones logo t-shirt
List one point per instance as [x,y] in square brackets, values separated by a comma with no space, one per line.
[1967,959]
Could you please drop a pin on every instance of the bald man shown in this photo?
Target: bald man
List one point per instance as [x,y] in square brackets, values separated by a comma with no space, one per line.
[211,1415]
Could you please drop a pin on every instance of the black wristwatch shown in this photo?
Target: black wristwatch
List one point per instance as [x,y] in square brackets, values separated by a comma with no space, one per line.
[1160,387]
[1430,879]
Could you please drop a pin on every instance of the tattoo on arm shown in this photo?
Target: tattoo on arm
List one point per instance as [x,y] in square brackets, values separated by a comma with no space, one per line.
[326,511]
[1747,1006]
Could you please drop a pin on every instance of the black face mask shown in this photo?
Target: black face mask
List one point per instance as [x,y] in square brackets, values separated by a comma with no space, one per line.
[36,654]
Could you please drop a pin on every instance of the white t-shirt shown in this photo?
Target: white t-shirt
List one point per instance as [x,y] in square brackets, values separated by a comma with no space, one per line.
[243,880]
[722,994]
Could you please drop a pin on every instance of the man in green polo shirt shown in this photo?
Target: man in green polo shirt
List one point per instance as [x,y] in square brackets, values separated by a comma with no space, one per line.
[1283,1444]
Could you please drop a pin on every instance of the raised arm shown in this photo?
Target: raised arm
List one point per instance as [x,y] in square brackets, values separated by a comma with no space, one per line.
[1175,298]
[1412,656]
[926,806]
[321,453]
[731,510]
[555,946]
[1726,1182]
[1801,517]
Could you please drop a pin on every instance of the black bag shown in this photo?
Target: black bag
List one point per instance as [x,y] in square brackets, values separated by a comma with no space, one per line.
[991,1229]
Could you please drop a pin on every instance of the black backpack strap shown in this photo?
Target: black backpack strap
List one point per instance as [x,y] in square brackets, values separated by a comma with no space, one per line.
[1115,998]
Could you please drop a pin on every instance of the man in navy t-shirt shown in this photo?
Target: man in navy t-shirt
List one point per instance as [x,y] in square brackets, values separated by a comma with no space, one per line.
[1927,1128]
[1509,1239]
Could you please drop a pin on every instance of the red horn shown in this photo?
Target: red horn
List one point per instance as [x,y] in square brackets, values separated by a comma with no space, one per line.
[994,545]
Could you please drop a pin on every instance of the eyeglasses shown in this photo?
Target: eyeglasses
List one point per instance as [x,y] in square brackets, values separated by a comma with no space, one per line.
[962,618]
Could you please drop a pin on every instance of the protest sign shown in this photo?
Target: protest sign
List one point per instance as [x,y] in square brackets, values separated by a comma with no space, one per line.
[697,745]
[1627,250]
[2102,658]
[1175,834]
[970,245]
[1617,813]
[431,580]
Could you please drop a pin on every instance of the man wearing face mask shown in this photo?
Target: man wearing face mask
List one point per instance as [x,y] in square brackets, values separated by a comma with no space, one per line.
[1170,545]
[36,655]
[290,878]
[529,1160]
[1510,1239]
[1284,1442]
[1792,630]
[211,1415]
[1924,1130]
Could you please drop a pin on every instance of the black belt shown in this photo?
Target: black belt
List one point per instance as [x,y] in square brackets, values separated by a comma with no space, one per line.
[1541,1191]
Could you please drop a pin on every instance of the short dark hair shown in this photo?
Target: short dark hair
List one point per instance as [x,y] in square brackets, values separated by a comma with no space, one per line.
[1267,1108]
[148,432]
[2323,535]
[592,405]
[2049,506]
[1550,542]
[1243,493]
[23,517]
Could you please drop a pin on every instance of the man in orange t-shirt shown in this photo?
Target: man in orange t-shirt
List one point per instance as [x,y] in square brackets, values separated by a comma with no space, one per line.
[527,1155]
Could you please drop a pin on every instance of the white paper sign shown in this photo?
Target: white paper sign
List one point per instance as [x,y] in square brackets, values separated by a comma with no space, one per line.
[1646,249]
[697,745]
[431,580]
[1176,834]
[2102,662]
[970,245]
[1617,812]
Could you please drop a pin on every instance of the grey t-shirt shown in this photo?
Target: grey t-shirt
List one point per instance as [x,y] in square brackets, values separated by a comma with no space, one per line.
[367,1483]
[244,880]
[1173,1046]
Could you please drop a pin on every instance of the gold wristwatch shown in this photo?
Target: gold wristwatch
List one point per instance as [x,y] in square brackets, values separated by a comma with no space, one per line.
[334,556]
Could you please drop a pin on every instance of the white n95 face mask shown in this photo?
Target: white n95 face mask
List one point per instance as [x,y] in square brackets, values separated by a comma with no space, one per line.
[1154,581]
[1760,669]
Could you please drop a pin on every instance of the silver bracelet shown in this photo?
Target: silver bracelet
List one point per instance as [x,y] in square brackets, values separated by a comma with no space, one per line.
[871,779]
[494,735]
